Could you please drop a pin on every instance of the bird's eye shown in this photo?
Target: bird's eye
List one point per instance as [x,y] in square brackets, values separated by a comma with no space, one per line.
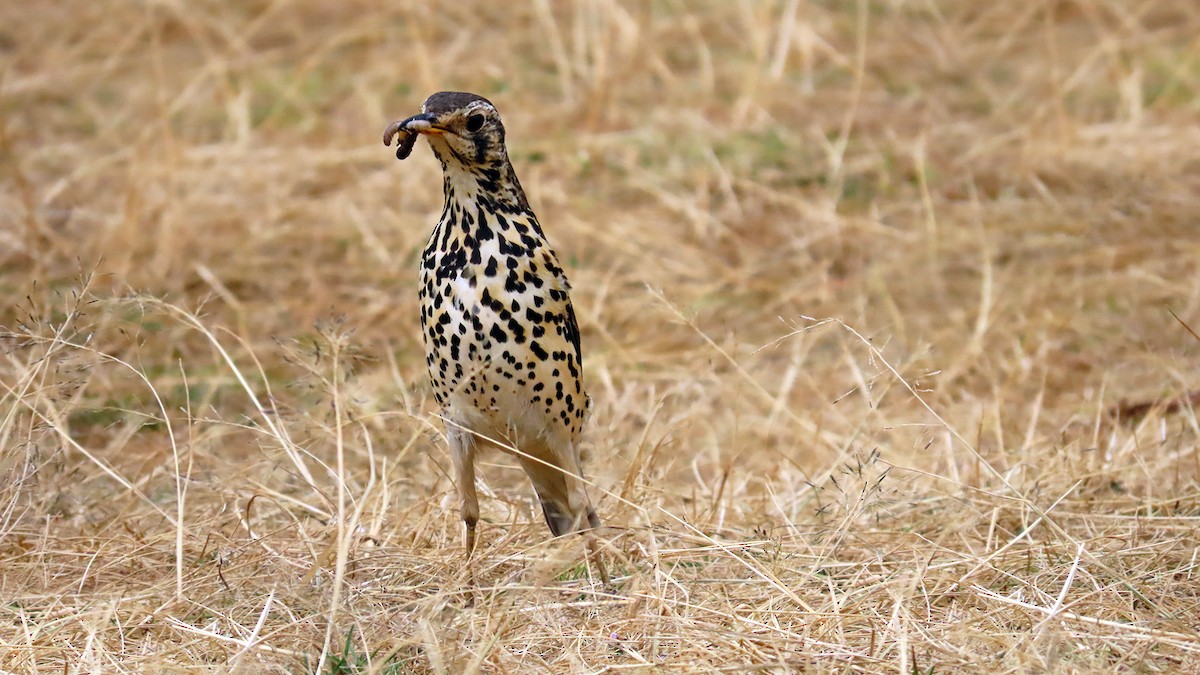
[474,123]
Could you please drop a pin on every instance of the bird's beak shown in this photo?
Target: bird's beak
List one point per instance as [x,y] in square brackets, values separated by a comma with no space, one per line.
[422,124]
[407,130]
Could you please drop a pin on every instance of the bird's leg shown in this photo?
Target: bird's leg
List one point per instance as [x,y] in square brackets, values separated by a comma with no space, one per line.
[589,522]
[594,550]
[462,453]
[586,521]
[469,536]
[593,547]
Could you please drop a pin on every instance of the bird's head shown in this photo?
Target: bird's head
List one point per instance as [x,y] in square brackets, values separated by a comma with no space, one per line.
[463,129]
[467,136]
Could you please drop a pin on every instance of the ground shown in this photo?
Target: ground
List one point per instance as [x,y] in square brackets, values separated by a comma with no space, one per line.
[889,315]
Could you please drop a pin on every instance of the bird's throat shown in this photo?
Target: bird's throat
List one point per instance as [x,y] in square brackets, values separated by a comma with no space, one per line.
[496,187]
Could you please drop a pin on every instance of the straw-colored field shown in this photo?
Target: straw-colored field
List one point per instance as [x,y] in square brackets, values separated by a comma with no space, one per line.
[885,312]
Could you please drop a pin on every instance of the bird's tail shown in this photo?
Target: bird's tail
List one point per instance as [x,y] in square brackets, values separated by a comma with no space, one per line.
[563,522]
[562,491]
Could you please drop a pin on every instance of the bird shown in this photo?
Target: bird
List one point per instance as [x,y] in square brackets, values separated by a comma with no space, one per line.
[501,338]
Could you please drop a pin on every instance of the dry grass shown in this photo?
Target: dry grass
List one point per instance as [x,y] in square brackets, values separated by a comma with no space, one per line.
[877,304]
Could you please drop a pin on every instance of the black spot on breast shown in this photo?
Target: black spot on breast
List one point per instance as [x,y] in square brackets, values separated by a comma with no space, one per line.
[498,333]
[508,248]
[483,232]
[538,351]
[451,264]
[512,284]
[518,331]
